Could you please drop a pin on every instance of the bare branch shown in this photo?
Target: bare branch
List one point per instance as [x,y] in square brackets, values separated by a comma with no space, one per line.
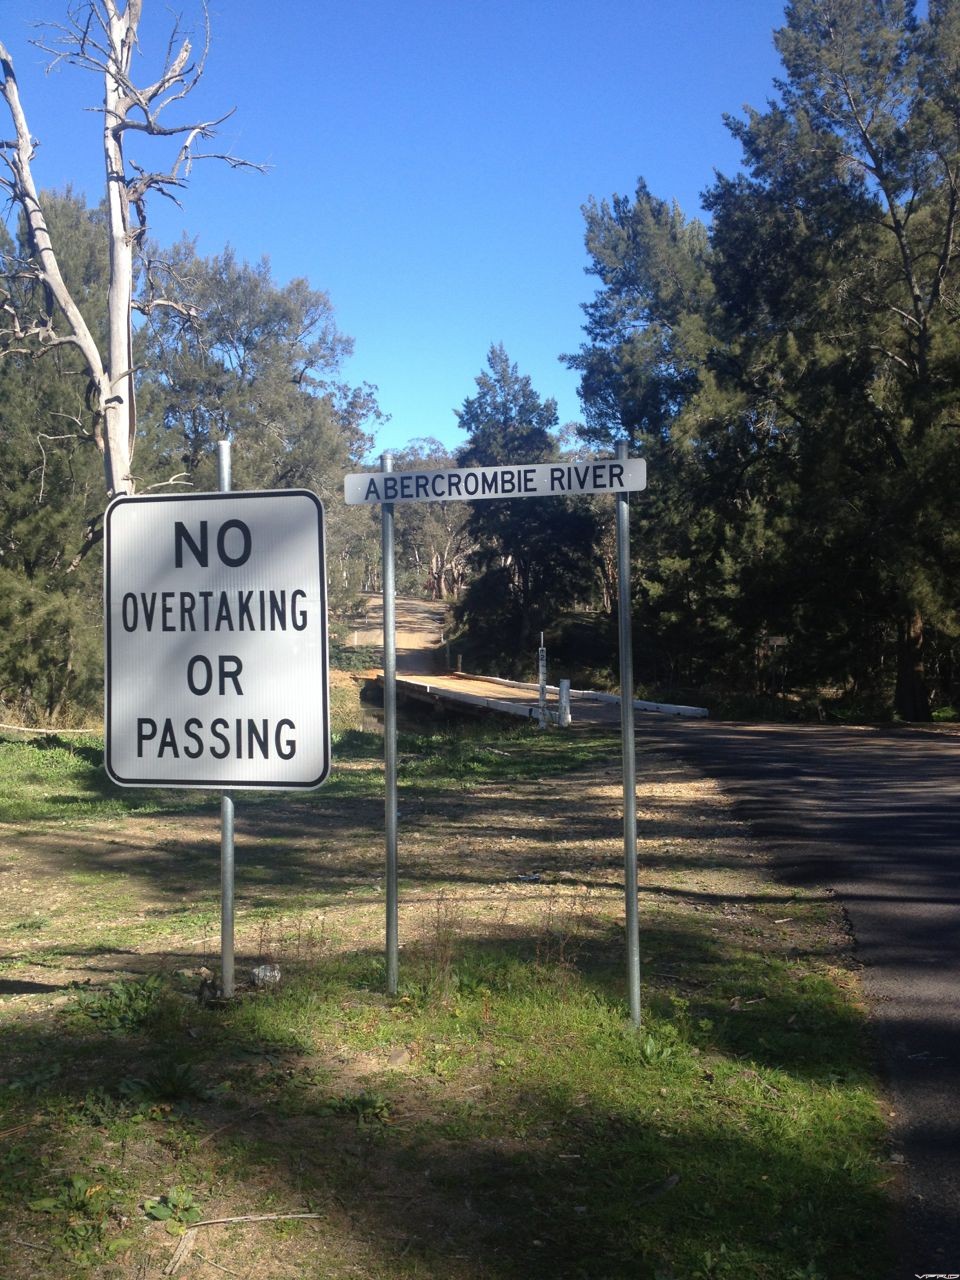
[19,156]
[892,355]
[43,466]
[177,479]
[111,55]
[81,432]
[147,308]
[177,74]
[91,538]
[102,36]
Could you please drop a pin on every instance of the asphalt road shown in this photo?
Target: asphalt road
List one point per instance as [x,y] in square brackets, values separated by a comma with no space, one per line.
[873,815]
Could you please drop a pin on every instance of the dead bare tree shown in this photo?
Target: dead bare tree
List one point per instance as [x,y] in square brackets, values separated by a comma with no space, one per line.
[37,312]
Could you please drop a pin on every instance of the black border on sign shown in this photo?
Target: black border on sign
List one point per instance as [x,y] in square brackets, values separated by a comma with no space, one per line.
[207,784]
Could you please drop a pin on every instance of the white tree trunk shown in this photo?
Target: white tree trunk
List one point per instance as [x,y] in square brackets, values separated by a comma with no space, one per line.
[117,402]
[101,36]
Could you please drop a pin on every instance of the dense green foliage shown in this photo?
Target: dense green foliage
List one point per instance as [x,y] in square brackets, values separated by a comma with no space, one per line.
[789,368]
[51,500]
[530,559]
[239,358]
[791,372]
[258,364]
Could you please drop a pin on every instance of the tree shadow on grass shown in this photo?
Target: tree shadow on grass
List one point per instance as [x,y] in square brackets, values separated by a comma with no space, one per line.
[644,1163]
[17,987]
[539,1136]
[292,846]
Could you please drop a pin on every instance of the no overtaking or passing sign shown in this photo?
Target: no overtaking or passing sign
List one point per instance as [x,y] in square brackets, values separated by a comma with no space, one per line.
[216,641]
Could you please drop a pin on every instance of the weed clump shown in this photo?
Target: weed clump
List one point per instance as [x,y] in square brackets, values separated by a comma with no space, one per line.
[122,1006]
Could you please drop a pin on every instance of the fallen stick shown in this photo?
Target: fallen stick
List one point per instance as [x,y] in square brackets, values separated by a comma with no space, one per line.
[210,1263]
[181,1253]
[40,1248]
[17,1128]
[253,1217]
[231,1124]
[188,1240]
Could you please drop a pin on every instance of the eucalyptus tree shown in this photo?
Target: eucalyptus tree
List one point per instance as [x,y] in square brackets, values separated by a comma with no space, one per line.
[40,313]
[244,358]
[434,542]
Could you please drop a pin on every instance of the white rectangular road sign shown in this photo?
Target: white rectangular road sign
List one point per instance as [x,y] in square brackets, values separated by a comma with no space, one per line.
[216,641]
[470,484]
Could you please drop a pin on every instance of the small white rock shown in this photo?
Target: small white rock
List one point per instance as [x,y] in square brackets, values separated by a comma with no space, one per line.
[265,975]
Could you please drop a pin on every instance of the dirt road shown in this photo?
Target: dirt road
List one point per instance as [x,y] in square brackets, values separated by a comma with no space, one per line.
[419,627]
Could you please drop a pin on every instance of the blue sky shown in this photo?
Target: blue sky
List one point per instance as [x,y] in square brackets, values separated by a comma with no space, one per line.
[429,160]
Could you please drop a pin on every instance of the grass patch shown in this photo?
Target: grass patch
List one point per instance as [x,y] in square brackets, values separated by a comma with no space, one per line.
[519,1093]
[56,778]
[460,755]
[347,657]
[51,778]
[498,1118]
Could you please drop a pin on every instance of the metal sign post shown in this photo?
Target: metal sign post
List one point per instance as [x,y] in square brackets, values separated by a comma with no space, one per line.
[226,809]
[629,751]
[390,737]
[542,677]
[618,477]
[215,623]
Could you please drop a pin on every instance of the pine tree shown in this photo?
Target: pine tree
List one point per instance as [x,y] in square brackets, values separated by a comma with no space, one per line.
[51,501]
[532,558]
[838,264]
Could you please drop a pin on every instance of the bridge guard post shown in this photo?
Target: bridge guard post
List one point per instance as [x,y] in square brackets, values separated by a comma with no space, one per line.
[390,737]
[563,696]
[631,883]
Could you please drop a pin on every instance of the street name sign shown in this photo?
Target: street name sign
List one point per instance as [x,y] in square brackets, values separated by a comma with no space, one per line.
[471,484]
[216,641]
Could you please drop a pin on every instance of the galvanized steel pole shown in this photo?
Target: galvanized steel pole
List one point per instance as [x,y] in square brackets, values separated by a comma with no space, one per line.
[631,885]
[226,809]
[390,736]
